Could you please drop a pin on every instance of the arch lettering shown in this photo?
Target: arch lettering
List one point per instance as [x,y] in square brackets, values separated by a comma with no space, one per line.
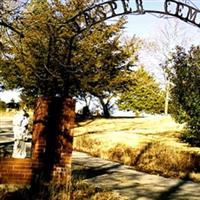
[113,8]
[183,11]
[104,11]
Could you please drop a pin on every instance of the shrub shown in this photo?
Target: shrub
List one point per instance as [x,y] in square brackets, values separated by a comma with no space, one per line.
[184,75]
[2,106]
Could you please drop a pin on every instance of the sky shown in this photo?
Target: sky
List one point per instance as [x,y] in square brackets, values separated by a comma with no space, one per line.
[146,27]
[149,26]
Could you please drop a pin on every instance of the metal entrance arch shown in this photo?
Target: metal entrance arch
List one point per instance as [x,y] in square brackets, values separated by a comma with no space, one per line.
[185,10]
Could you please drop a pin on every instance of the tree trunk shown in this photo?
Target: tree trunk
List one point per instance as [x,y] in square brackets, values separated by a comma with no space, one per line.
[167,99]
[52,139]
[106,112]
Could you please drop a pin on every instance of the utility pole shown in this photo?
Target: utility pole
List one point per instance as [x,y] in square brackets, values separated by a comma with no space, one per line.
[167,97]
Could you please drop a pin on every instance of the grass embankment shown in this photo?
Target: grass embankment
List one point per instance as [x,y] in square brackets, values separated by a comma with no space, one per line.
[149,144]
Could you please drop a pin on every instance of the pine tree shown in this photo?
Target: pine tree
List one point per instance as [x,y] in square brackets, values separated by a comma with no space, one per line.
[185,94]
[142,94]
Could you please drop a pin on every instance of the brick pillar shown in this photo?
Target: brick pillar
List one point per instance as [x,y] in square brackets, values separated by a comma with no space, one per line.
[64,141]
[52,138]
[40,123]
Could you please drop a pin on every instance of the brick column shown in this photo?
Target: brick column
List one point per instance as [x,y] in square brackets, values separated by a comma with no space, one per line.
[64,141]
[40,123]
[52,139]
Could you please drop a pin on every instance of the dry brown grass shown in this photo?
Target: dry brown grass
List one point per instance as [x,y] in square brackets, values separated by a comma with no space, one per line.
[80,190]
[4,116]
[149,144]
[7,115]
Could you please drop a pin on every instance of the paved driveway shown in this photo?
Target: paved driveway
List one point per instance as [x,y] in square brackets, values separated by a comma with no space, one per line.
[130,183]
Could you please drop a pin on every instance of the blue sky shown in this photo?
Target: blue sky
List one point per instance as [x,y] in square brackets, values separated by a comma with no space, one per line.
[147,27]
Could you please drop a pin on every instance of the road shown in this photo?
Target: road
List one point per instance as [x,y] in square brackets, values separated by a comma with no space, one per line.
[132,184]
[7,138]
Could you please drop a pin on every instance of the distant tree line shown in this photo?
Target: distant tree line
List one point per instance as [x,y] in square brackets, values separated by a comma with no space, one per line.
[12,105]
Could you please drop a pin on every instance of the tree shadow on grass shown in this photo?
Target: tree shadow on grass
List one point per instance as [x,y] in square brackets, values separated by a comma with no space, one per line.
[27,193]
[21,194]
[89,133]
[142,151]
[87,122]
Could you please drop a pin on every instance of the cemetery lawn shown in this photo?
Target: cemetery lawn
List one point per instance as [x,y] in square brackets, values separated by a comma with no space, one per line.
[150,144]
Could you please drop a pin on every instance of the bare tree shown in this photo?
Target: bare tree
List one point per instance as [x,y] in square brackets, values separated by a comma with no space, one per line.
[159,48]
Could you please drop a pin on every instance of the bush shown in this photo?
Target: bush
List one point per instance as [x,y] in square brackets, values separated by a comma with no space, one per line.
[184,75]
[2,106]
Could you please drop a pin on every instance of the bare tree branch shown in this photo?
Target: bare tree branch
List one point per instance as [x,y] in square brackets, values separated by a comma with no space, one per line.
[53,75]
[2,23]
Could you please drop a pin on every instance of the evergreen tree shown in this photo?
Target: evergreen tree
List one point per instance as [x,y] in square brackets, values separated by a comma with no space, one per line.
[185,95]
[2,105]
[106,62]
[49,54]
[142,94]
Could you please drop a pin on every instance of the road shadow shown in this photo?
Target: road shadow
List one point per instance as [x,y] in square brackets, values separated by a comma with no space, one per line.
[134,184]
[126,117]
[92,172]
[168,194]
